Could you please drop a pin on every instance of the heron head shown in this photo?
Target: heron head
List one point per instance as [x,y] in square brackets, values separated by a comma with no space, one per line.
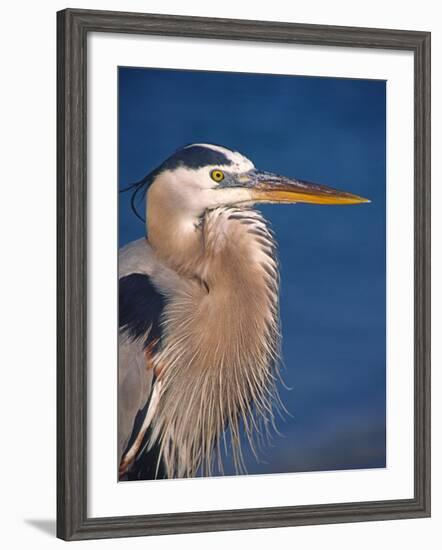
[203,176]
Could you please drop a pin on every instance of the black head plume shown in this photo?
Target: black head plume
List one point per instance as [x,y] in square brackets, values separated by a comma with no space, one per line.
[139,190]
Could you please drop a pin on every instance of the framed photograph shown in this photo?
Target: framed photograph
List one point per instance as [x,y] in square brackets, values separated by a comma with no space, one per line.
[243,274]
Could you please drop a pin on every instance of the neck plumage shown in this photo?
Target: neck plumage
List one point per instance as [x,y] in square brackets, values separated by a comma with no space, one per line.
[221,341]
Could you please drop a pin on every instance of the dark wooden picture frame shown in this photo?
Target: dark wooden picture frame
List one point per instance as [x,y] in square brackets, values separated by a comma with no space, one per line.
[73,27]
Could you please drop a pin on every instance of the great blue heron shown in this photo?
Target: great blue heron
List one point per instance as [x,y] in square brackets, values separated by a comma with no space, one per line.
[199,312]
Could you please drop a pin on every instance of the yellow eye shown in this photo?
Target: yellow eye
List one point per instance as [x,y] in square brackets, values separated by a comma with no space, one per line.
[217,175]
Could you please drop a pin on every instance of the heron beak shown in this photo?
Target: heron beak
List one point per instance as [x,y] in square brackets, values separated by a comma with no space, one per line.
[272,188]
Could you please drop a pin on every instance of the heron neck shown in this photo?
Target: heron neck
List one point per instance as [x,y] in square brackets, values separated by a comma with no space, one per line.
[221,247]
[177,240]
[221,341]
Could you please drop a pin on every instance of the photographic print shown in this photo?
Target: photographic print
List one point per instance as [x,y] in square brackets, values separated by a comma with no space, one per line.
[252,274]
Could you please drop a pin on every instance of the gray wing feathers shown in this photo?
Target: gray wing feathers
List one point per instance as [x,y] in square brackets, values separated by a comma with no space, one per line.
[139,311]
[134,387]
[134,379]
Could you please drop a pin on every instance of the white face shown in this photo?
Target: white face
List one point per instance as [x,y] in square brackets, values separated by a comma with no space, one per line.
[195,190]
